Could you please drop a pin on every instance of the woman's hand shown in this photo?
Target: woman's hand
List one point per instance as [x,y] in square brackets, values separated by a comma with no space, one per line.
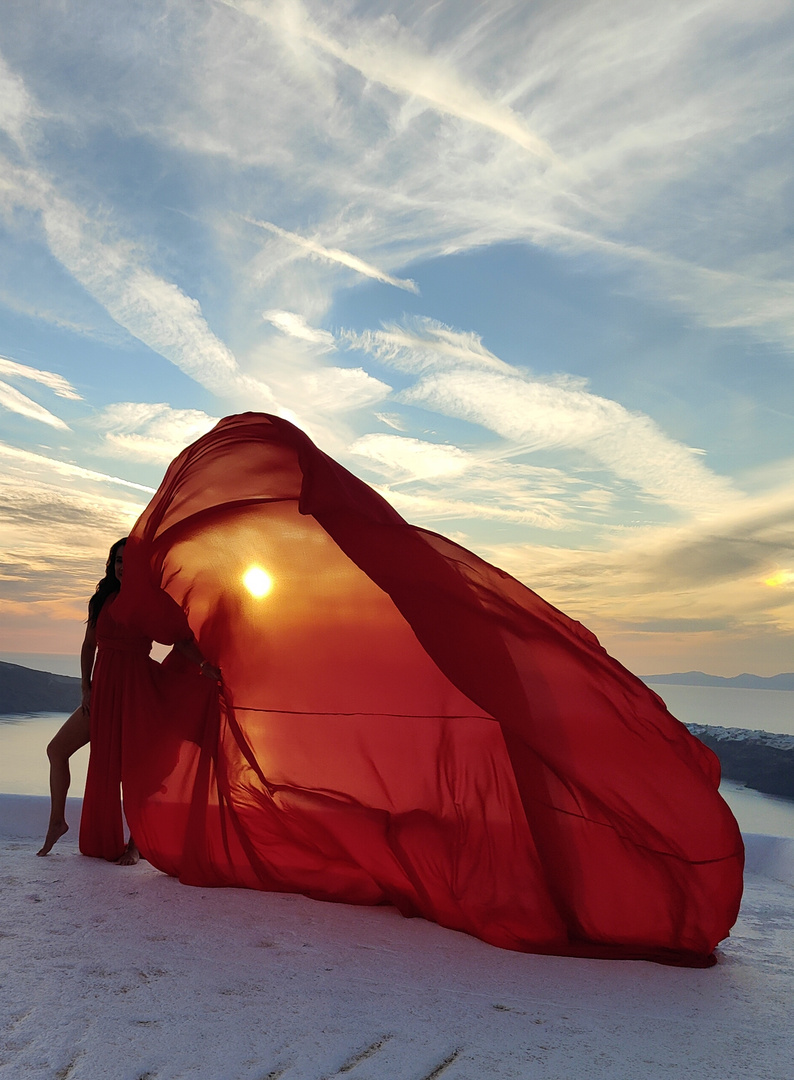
[86,702]
[210,671]
[190,649]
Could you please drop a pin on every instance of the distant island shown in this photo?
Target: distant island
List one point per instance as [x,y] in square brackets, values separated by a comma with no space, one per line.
[740,682]
[23,690]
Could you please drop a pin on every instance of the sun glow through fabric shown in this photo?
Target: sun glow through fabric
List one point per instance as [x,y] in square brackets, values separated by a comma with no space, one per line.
[258,582]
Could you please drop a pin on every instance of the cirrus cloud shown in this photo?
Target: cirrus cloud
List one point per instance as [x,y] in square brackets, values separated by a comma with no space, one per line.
[460,378]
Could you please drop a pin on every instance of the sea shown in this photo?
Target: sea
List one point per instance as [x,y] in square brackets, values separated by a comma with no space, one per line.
[23,741]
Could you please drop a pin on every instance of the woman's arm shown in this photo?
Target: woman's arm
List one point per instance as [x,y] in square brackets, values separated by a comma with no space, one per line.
[87,654]
[190,649]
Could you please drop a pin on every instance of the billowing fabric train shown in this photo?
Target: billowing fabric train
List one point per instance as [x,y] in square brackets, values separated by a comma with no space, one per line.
[399,722]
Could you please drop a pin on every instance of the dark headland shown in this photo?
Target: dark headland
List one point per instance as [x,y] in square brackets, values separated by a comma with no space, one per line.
[23,690]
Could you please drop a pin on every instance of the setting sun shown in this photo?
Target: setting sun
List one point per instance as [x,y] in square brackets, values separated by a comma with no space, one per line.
[782,577]
[257,581]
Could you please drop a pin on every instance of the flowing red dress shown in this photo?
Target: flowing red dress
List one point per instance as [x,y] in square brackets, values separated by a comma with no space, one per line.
[402,723]
[126,683]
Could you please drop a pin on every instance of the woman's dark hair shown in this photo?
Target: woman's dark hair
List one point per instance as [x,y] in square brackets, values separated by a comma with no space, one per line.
[107,586]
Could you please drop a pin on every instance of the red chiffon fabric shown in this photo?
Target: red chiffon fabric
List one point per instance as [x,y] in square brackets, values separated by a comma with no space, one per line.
[402,723]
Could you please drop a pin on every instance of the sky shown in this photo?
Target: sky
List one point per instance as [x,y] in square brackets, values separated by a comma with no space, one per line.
[526,268]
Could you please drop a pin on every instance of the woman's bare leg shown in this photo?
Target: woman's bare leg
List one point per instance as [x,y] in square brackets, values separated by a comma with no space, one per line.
[71,736]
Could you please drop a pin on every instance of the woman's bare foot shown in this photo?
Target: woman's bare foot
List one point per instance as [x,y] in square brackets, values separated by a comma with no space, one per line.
[54,833]
[130,856]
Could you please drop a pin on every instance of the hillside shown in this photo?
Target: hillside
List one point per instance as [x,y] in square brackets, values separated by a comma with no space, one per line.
[23,690]
[739,682]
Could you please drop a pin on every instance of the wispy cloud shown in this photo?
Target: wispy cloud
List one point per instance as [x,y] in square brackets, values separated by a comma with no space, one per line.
[337,390]
[296,326]
[718,568]
[684,98]
[114,272]
[426,345]
[149,432]
[386,53]
[33,309]
[545,416]
[459,378]
[392,420]
[335,255]
[749,540]
[57,520]
[153,309]
[14,401]
[44,585]
[414,458]
[60,386]
[30,459]
[438,506]
[17,107]
[637,146]
[39,507]
[432,482]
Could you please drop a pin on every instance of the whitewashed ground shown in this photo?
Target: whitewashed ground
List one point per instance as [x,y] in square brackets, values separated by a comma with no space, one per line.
[124,974]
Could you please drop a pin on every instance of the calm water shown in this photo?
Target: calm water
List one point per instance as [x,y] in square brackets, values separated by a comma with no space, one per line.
[23,755]
[23,761]
[765,710]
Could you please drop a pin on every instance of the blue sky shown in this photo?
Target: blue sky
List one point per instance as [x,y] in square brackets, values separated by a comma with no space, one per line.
[526,268]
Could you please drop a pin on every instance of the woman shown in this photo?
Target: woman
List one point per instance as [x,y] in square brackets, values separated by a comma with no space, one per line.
[110,657]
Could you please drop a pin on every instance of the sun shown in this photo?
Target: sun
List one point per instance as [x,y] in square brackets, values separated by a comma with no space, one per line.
[781,578]
[257,581]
